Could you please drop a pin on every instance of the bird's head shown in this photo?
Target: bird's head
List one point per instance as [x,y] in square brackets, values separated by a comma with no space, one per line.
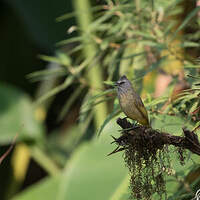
[123,83]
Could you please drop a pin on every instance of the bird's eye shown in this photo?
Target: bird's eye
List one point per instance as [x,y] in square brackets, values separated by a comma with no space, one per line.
[121,82]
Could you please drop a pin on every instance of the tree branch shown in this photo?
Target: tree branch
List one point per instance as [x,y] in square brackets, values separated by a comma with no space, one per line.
[147,138]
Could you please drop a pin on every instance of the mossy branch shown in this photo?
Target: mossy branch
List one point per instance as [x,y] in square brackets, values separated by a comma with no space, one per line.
[156,139]
[147,157]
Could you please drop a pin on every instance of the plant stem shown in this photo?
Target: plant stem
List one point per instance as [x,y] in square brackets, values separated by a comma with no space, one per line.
[44,161]
[95,74]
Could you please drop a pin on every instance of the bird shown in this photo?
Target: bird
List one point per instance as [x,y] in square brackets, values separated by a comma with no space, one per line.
[130,102]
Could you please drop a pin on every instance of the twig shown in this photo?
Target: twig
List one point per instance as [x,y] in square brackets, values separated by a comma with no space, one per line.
[9,149]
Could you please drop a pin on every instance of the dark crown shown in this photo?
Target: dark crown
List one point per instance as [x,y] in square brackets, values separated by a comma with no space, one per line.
[123,77]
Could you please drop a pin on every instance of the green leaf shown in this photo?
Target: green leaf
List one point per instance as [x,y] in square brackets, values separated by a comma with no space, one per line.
[90,106]
[56,90]
[42,74]
[145,35]
[17,116]
[109,83]
[122,191]
[45,189]
[131,56]
[191,66]
[49,58]
[90,169]
[73,14]
[101,94]
[64,58]
[190,44]
[89,174]
[71,40]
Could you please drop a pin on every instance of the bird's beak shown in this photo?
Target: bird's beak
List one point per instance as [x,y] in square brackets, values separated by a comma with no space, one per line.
[116,84]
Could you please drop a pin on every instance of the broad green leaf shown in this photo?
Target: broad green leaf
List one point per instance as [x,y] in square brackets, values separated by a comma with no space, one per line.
[17,116]
[45,189]
[89,174]
[122,191]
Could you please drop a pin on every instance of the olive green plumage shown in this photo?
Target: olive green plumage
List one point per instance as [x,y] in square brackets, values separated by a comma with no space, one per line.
[130,102]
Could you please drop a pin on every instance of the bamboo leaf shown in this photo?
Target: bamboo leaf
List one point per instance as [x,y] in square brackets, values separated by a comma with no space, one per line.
[47,72]
[49,58]
[73,14]
[71,40]
[56,90]
[93,98]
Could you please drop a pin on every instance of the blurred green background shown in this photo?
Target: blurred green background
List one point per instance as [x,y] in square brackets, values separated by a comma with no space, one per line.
[58,61]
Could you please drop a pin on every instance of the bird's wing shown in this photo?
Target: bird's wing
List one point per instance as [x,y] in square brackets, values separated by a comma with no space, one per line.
[140,106]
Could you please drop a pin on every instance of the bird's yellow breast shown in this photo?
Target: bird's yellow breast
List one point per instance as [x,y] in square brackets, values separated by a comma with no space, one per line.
[128,106]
